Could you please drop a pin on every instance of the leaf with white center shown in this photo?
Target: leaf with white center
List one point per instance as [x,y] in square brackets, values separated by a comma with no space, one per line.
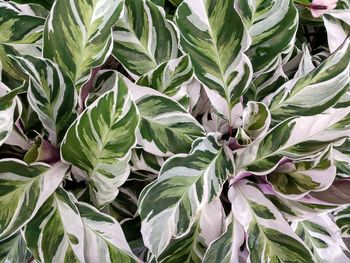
[99,142]
[226,249]
[14,250]
[186,183]
[191,247]
[272,25]
[296,179]
[315,92]
[144,161]
[143,38]
[51,95]
[24,189]
[270,238]
[166,128]
[342,219]
[213,35]
[323,238]
[78,35]
[168,76]
[104,238]
[19,32]
[306,65]
[56,233]
[294,138]
[8,104]
[256,119]
[337,23]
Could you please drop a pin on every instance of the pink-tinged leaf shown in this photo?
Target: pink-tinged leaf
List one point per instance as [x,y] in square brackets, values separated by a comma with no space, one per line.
[320,7]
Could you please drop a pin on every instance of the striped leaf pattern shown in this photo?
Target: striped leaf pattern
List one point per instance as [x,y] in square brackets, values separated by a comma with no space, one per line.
[14,250]
[342,219]
[51,95]
[24,189]
[88,42]
[100,144]
[186,183]
[272,25]
[216,49]
[270,238]
[56,225]
[331,79]
[143,38]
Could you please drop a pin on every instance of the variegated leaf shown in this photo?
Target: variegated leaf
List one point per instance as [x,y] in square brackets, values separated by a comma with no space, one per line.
[337,23]
[56,233]
[191,247]
[14,250]
[100,144]
[166,128]
[104,238]
[186,183]
[51,95]
[342,219]
[315,92]
[270,238]
[88,42]
[256,119]
[321,235]
[168,76]
[24,189]
[143,38]
[216,49]
[294,138]
[272,25]
[293,180]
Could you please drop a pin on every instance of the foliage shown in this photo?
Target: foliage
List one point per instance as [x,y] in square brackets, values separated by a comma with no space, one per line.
[174,131]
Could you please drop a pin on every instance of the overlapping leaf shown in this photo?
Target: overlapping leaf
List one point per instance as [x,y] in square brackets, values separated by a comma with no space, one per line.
[100,144]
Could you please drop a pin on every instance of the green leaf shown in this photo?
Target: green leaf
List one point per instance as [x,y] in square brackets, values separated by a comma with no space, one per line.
[14,250]
[47,4]
[272,25]
[87,43]
[166,128]
[315,92]
[322,237]
[143,38]
[99,142]
[51,95]
[104,238]
[24,189]
[216,49]
[168,77]
[270,238]
[186,183]
[56,232]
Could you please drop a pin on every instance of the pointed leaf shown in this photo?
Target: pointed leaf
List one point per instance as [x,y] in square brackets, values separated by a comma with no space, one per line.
[14,250]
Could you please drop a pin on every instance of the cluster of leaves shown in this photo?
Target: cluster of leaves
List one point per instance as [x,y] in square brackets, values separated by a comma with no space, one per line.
[174,131]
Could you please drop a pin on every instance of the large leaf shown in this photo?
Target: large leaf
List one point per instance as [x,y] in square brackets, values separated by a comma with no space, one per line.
[272,25]
[315,92]
[78,35]
[294,138]
[24,189]
[104,238]
[143,38]
[213,34]
[186,183]
[99,142]
[166,128]
[51,95]
[270,238]
[56,232]
[323,238]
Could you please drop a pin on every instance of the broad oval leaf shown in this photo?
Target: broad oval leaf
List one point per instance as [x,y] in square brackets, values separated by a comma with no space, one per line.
[24,189]
[51,95]
[270,238]
[87,43]
[186,183]
[272,25]
[213,35]
[99,142]
[143,38]
[315,92]
[56,232]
